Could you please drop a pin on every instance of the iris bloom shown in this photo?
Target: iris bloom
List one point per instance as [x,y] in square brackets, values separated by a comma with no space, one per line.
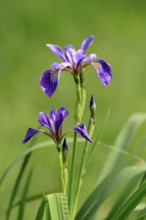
[74,62]
[54,125]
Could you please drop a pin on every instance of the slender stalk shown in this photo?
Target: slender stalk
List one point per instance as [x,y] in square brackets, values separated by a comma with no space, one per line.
[71,181]
[82,169]
[73,211]
[79,109]
[62,184]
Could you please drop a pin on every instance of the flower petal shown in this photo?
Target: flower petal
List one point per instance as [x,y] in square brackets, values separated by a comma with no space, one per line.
[68,47]
[81,129]
[60,116]
[64,112]
[103,70]
[79,58]
[30,133]
[49,81]
[44,120]
[57,50]
[86,43]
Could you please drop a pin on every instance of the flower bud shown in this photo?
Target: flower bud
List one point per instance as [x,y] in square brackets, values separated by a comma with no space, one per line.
[64,150]
[92,107]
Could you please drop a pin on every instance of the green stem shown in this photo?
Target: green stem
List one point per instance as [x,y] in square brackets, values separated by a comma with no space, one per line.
[73,211]
[79,109]
[82,169]
[72,171]
[62,186]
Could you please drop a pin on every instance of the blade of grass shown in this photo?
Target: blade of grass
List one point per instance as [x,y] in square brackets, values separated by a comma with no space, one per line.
[24,196]
[122,142]
[94,145]
[106,188]
[26,154]
[124,196]
[40,211]
[31,198]
[17,182]
[131,204]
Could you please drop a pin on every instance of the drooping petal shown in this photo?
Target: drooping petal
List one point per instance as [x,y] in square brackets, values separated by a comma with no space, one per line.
[103,70]
[82,130]
[30,133]
[86,43]
[57,50]
[44,120]
[49,81]
[88,60]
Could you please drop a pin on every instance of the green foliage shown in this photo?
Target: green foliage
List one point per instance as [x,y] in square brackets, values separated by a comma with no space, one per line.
[116,172]
[125,175]
[56,206]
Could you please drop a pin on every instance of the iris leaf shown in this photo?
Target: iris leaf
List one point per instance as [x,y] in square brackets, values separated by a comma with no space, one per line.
[58,206]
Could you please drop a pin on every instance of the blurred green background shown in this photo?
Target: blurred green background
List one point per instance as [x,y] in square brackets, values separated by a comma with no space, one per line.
[119,28]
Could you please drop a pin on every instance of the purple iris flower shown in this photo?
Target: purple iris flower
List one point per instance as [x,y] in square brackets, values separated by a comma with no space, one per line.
[73,61]
[53,123]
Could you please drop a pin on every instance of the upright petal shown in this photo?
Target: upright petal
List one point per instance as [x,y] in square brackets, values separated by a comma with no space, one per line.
[53,114]
[49,81]
[103,70]
[68,47]
[57,50]
[30,133]
[44,120]
[81,129]
[60,116]
[79,58]
[86,43]
[64,111]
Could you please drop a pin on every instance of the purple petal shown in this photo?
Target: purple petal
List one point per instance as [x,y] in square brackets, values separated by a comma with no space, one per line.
[30,133]
[90,59]
[60,116]
[57,50]
[44,120]
[70,56]
[86,43]
[64,111]
[53,114]
[49,81]
[103,70]
[80,57]
[56,66]
[68,47]
[81,129]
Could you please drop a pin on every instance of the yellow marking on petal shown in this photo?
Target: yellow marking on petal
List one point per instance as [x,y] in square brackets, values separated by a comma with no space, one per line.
[55,73]
[97,65]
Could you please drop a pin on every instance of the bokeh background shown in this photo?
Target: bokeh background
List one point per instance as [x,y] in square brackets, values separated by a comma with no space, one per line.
[119,28]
